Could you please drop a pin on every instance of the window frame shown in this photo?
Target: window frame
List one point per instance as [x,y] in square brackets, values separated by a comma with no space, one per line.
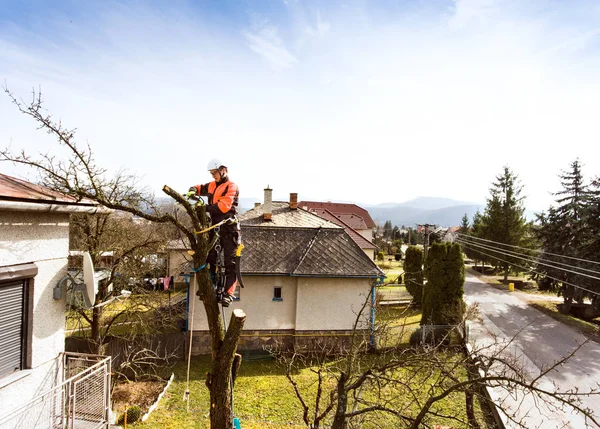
[24,274]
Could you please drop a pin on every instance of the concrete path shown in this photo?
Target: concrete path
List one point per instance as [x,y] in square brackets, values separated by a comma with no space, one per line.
[538,341]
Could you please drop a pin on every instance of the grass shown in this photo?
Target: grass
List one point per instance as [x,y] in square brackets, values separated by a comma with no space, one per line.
[392,269]
[264,398]
[397,323]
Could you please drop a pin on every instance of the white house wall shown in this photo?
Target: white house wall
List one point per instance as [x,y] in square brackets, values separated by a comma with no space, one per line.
[330,304]
[308,304]
[366,233]
[43,239]
[256,299]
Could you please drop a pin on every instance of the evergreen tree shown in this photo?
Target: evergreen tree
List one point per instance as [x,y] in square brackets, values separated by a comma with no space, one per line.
[504,220]
[465,228]
[387,229]
[443,302]
[564,231]
[413,273]
[395,233]
[591,248]
[471,249]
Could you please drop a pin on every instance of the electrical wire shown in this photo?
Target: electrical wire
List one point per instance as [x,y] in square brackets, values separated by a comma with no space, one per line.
[536,272]
[532,250]
[535,261]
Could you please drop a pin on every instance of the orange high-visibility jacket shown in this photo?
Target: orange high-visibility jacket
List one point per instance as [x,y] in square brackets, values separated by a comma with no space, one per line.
[222,198]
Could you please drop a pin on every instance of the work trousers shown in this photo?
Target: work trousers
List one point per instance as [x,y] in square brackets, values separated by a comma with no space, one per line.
[229,239]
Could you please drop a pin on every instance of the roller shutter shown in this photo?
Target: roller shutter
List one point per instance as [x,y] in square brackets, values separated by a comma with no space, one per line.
[12,321]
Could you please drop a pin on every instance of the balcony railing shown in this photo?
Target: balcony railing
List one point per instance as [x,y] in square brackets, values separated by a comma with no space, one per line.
[81,401]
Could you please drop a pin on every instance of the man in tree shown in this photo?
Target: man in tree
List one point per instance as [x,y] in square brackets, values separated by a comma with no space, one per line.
[222,206]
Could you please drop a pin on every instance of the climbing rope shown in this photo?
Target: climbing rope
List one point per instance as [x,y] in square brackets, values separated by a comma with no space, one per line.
[228,220]
[186,394]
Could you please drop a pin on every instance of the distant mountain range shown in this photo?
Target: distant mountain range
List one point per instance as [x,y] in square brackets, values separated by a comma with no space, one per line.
[444,212]
[439,211]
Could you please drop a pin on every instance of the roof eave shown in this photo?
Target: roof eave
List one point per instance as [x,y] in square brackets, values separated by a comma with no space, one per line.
[28,206]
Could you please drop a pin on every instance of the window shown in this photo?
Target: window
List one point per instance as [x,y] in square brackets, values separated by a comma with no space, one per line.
[16,309]
[236,294]
[277,293]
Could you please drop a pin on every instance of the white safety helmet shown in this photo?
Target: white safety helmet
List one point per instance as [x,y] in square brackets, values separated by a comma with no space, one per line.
[215,164]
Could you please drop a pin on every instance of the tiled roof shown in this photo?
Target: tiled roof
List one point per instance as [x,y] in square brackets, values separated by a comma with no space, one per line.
[352,220]
[283,216]
[362,242]
[13,189]
[339,208]
[316,252]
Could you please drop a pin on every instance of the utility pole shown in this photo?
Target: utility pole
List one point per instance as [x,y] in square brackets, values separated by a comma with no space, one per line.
[426,228]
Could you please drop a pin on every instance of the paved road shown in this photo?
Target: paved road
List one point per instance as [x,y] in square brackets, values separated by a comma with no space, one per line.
[539,342]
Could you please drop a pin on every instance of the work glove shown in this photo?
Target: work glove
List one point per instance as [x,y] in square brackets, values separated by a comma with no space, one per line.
[192,192]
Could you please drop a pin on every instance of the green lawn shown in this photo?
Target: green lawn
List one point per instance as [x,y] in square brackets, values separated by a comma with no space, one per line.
[392,269]
[265,399]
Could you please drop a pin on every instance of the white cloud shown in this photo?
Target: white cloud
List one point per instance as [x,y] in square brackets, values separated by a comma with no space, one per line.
[366,106]
[468,11]
[263,38]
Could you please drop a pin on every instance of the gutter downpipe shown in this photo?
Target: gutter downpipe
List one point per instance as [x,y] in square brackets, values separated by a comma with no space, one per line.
[373,292]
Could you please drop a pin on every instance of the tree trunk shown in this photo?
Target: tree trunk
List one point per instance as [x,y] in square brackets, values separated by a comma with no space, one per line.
[219,380]
[568,299]
[95,331]
[506,267]
[340,420]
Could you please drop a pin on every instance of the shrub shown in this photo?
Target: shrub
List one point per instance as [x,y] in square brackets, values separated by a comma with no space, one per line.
[380,256]
[413,273]
[443,302]
[134,413]
[398,255]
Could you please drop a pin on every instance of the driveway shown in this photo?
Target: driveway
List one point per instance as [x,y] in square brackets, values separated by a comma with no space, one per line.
[538,341]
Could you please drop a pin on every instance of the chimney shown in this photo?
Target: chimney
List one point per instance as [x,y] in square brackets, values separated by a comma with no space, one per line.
[256,205]
[268,204]
[293,201]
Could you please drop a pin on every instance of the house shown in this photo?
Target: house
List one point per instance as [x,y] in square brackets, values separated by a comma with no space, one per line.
[366,245]
[352,215]
[304,277]
[34,248]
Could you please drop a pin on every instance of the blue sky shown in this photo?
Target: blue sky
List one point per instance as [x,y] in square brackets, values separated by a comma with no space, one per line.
[367,101]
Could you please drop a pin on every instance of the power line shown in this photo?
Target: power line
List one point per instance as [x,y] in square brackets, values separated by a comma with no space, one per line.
[531,250]
[536,261]
[533,271]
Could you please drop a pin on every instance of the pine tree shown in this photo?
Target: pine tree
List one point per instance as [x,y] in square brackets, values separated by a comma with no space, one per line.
[465,228]
[563,231]
[387,229]
[471,248]
[504,220]
[413,273]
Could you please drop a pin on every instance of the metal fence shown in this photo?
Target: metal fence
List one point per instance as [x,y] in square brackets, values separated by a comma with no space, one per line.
[81,401]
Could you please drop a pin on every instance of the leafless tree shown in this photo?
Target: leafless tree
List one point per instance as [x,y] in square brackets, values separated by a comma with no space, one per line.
[80,177]
[129,245]
[407,383]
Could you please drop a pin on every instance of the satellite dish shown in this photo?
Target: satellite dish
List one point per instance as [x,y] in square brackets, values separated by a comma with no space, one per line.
[90,282]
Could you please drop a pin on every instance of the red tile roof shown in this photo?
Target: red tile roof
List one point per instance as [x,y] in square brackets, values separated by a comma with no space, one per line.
[13,189]
[341,208]
[362,242]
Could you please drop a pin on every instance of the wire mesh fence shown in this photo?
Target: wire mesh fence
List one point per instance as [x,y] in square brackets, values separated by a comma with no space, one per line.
[81,401]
